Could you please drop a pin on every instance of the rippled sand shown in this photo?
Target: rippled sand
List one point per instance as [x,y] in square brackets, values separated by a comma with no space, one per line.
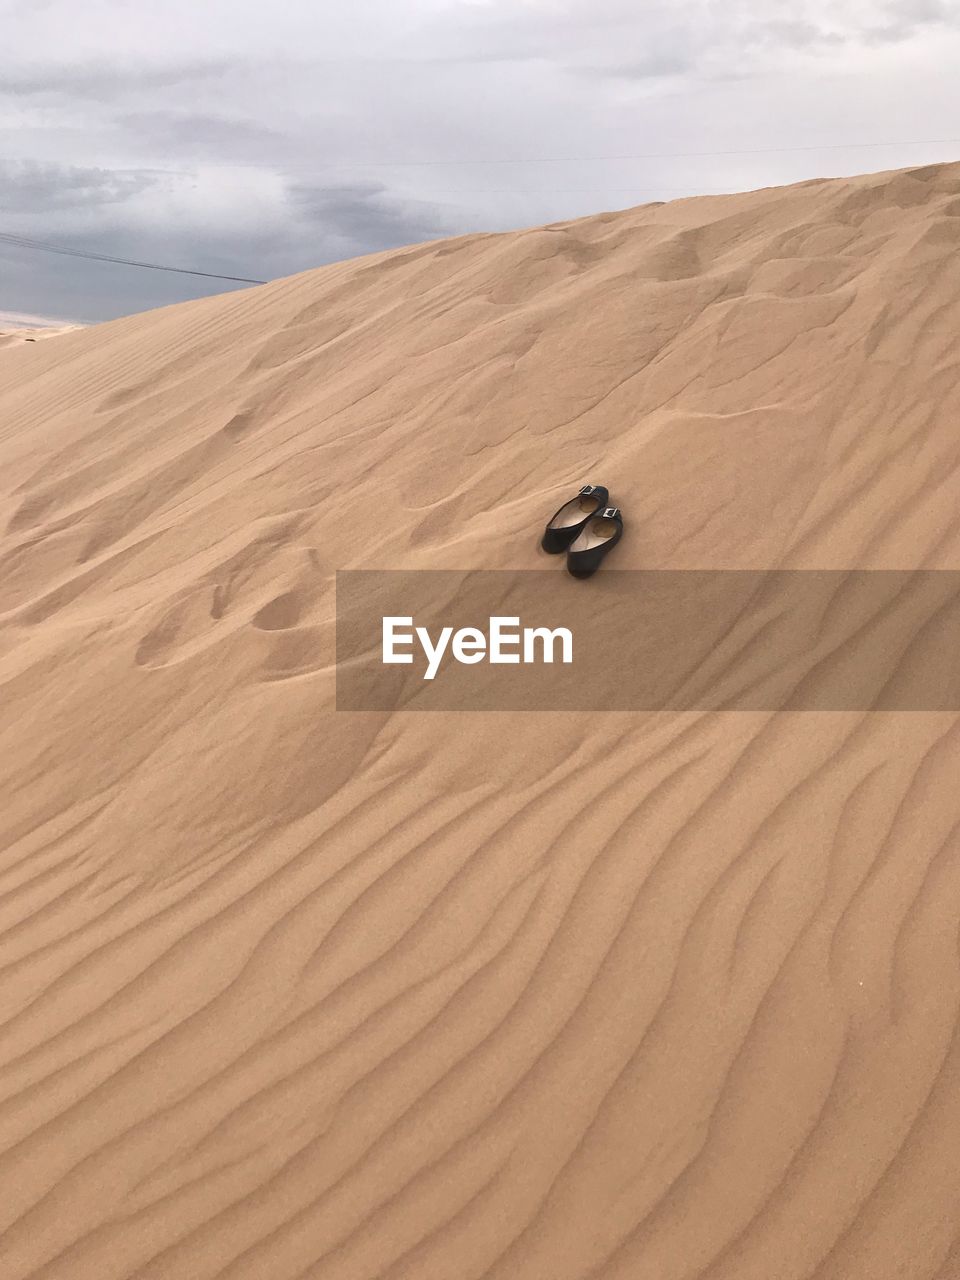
[295,993]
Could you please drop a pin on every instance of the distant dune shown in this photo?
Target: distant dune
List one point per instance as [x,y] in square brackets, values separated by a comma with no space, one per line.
[15,327]
[294,993]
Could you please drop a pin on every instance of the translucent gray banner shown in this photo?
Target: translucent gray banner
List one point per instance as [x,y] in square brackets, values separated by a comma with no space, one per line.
[685,640]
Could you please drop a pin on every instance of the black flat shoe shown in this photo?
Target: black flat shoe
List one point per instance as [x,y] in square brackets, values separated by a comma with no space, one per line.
[572,516]
[597,538]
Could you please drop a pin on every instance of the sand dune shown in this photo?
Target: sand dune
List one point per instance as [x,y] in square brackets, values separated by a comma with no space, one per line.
[288,992]
[16,328]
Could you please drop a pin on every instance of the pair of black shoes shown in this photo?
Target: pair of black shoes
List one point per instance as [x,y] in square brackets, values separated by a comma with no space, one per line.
[586,528]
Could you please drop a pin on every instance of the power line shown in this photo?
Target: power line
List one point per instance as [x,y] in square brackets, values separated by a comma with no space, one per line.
[23,242]
[648,155]
[598,188]
[491,160]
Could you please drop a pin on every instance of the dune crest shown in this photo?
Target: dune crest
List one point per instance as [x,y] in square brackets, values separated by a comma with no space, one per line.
[289,993]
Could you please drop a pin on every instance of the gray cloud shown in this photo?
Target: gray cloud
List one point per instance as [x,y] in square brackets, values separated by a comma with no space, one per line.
[28,187]
[924,11]
[201,134]
[797,35]
[364,217]
[642,68]
[101,81]
[902,19]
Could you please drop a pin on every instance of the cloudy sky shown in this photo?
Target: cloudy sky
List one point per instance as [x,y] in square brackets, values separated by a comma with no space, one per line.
[259,139]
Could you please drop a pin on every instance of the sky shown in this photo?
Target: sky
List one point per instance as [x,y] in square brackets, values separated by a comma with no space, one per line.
[255,139]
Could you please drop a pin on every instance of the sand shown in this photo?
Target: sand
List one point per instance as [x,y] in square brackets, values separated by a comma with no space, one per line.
[16,328]
[288,992]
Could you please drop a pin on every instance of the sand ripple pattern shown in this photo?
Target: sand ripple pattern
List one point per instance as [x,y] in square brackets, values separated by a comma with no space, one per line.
[292,994]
